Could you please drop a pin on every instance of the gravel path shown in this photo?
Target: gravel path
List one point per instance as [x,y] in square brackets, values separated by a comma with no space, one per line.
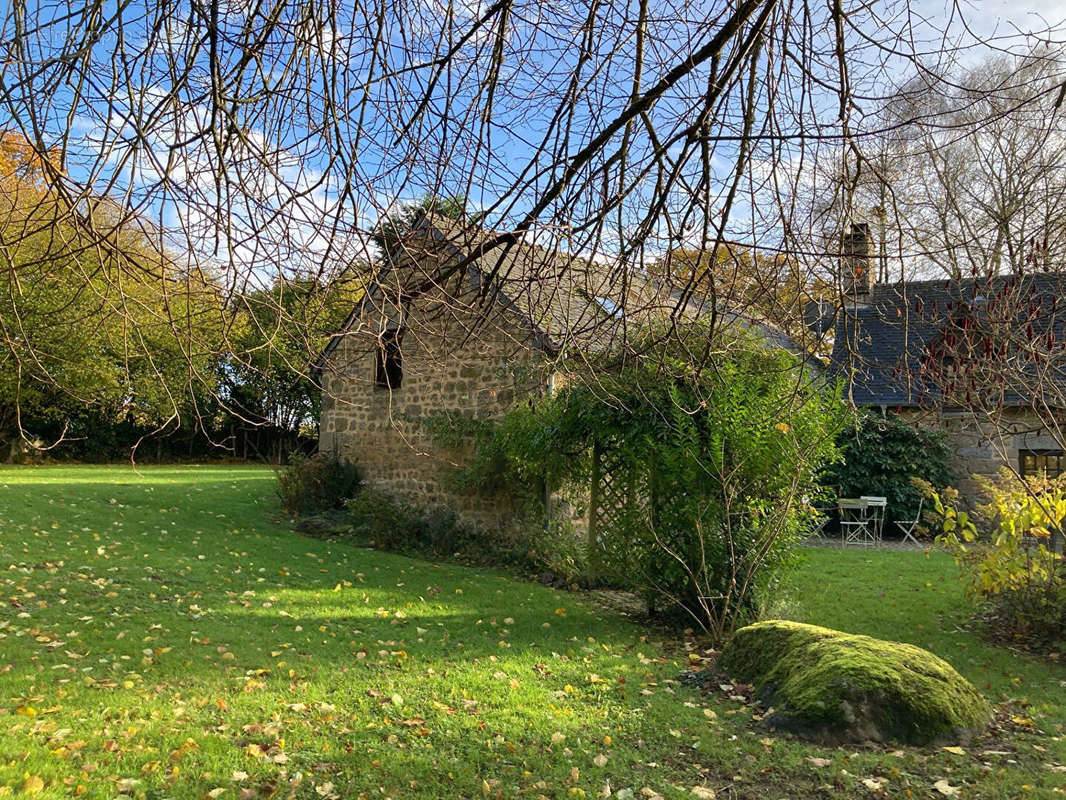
[886,544]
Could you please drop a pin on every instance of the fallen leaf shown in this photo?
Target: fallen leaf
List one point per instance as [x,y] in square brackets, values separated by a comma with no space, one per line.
[703,793]
[956,750]
[946,788]
[820,762]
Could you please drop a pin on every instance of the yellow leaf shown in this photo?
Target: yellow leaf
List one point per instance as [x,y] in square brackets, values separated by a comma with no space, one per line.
[946,788]
[956,750]
[32,785]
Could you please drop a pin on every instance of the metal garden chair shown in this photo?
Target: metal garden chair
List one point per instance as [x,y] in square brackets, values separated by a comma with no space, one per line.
[908,525]
[856,524]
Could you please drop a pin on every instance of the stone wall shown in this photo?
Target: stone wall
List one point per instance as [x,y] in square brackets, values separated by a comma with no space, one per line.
[981,446]
[445,368]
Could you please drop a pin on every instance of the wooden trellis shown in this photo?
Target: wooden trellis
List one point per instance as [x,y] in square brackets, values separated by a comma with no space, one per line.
[618,490]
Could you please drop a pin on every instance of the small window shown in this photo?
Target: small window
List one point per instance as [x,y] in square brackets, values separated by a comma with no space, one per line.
[389,372]
[1041,463]
[608,306]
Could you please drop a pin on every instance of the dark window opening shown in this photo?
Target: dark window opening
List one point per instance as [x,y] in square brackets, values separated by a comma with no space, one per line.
[1041,463]
[389,372]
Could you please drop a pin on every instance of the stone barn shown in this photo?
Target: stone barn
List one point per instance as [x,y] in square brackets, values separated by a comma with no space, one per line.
[446,331]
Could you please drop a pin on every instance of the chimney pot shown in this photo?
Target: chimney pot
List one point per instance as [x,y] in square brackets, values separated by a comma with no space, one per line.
[856,260]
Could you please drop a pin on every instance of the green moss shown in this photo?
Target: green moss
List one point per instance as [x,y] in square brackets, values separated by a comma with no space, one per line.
[835,685]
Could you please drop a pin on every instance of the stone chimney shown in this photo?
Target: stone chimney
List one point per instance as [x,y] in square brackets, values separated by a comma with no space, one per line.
[857,263]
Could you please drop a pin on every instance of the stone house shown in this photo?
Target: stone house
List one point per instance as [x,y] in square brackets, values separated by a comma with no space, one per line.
[448,332]
[981,358]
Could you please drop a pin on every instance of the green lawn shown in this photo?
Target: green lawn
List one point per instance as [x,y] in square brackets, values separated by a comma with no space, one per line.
[162,638]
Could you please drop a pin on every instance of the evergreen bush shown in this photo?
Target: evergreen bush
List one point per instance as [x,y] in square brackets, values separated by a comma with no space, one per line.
[312,484]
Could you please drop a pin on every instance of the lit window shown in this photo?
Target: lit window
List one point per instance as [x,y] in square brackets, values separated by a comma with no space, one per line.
[1041,463]
[389,371]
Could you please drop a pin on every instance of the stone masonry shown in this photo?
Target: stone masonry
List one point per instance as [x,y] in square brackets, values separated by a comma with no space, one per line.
[981,447]
[445,368]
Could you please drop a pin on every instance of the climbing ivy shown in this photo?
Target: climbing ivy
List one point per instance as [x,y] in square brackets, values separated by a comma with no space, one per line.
[723,462]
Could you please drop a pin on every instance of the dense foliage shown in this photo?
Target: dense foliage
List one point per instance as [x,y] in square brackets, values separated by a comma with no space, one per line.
[272,401]
[309,485]
[1011,562]
[881,454]
[125,346]
[89,330]
[713,470]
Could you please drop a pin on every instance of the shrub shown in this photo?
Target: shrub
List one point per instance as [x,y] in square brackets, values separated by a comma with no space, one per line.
[882,454]
[312,484]
[718,467]
[388,522]
[1015,575]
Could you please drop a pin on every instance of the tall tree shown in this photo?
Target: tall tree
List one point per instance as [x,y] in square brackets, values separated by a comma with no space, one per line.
[269,397]
[113,332]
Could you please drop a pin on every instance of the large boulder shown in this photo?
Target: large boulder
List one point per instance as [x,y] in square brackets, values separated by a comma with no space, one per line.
[835,687]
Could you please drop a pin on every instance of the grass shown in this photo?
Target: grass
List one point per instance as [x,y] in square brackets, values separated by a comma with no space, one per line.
[163,638]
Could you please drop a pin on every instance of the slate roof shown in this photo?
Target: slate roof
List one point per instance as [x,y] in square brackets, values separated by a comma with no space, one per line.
[562,299]
[889,344]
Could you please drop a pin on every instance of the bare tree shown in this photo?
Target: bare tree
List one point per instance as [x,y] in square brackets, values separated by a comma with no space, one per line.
[963,175]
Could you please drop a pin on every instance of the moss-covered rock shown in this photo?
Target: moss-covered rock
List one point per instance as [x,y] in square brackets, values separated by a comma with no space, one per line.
[837,687]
